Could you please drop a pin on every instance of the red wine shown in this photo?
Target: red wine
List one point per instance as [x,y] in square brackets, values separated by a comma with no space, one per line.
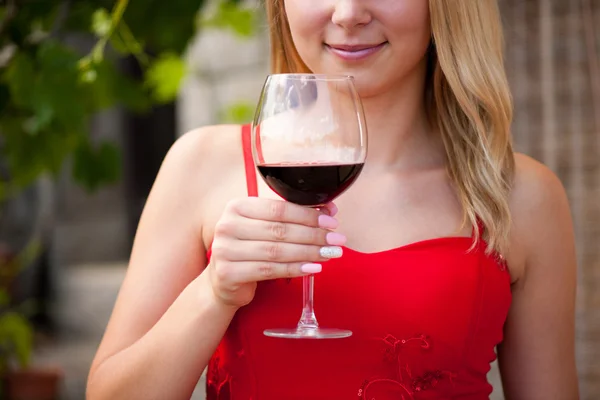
[310,184]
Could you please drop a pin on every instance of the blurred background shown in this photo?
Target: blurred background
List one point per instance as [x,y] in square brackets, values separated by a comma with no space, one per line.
[94,92]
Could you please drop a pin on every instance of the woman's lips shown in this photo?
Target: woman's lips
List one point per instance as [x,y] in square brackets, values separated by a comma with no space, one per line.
[354,53]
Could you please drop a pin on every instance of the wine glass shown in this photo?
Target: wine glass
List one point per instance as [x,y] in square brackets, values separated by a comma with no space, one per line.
[309,143]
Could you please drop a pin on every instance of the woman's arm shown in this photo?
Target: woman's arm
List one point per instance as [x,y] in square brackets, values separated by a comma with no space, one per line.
[165,325]
[537,356]
[169,317]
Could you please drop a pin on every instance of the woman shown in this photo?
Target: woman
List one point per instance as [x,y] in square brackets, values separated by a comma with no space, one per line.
[452,245]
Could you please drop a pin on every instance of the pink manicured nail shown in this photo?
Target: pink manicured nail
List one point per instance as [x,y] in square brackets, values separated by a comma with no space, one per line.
[332,209]
[336,239]
[311,268]
[327,222]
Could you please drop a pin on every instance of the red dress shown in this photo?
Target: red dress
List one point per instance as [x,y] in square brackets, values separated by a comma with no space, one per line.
[425,318]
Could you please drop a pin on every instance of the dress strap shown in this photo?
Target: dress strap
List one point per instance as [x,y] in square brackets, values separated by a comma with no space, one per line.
[251,182]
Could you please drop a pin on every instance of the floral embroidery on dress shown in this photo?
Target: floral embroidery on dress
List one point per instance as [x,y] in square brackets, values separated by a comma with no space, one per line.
[217,381]
[404,381]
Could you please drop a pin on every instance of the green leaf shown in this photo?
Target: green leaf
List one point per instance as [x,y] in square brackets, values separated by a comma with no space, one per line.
[45,88]
[109,87]
[164,77]
[163,26]
[81,12]
[230,15]
[101,22]
[89,75]
[20,76]
[41,120]
[96,166]
[29,156]
[16,337]
[98,86]
[238,113]
[57,85]
[28,13]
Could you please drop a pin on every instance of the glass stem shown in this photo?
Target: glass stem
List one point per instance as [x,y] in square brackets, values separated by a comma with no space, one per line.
[308,319]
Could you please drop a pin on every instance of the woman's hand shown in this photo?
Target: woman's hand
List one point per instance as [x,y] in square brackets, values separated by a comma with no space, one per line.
[260,239]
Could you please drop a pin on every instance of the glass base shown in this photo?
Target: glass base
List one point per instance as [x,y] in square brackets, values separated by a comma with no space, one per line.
[308,333]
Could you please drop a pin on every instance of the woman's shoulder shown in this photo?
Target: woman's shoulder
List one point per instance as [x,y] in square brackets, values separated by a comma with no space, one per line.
[214,143]
[204,153]
[539,207]
[202,171]
[536,189]
[199,161]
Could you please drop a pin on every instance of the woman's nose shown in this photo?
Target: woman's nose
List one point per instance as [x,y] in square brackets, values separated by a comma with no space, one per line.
[349,14]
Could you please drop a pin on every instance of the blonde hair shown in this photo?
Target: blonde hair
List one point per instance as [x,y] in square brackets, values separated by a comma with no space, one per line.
[468,99]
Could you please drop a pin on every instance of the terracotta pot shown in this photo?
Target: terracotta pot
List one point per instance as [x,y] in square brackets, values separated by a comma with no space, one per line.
[33,384]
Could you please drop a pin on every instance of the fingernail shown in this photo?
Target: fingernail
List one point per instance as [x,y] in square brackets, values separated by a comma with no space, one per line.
[332,209]
[331,252]
[336,239]
[311,268]
[327,222]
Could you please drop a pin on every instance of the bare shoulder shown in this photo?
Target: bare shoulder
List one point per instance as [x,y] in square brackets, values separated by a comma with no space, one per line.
[535,185]
[203,146]
[540,211]
[208,166]
[200,167]
[200,159]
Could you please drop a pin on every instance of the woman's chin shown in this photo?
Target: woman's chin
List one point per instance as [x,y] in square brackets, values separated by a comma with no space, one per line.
[368,85]
[368,81]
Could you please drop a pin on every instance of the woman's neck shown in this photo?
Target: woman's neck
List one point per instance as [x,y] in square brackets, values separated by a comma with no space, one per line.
[400,134]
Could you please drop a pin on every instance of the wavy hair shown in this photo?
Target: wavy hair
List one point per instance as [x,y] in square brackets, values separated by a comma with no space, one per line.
[468,100]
